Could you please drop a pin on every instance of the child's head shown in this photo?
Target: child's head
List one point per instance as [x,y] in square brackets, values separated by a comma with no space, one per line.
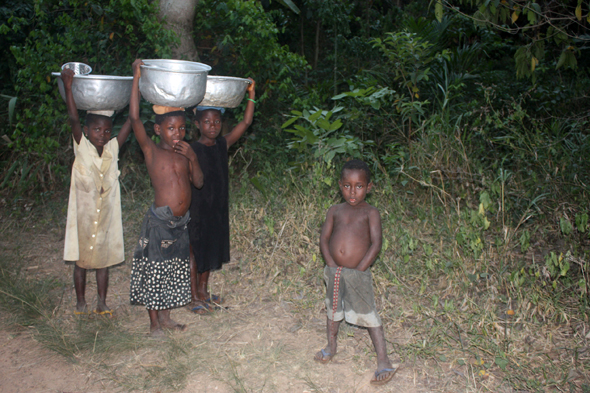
[97,129]
[171,127]
[208,122]
[355,181]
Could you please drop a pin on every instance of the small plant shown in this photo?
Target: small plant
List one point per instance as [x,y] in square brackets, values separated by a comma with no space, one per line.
[558,266]
[318,136]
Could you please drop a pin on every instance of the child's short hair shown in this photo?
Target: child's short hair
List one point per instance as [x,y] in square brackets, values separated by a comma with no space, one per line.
[92,118]
[357,165]
[160,118]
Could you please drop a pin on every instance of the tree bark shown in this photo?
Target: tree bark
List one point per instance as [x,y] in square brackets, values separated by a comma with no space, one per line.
[179,16]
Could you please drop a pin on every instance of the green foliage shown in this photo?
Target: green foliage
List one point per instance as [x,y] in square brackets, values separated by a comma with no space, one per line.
[410,56]
[238,38]
[557,25]
[106,34]
[558,266]
[321,139]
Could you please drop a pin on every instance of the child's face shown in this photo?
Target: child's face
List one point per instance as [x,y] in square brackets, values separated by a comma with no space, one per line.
[209,124]
[171,131]
[99,131]
[354,186]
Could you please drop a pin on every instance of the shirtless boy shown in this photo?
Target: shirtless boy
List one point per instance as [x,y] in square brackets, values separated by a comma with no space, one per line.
[350,241]
[160,275]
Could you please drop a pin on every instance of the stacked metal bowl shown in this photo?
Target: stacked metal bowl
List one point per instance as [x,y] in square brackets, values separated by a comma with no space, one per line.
[96,92]
[224,91]
[176,83]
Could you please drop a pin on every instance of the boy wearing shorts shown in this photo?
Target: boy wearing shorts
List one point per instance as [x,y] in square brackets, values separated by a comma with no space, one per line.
[350,241]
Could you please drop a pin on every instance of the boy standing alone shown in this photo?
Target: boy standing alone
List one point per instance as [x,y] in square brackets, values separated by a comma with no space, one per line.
[350,241]
[160,275]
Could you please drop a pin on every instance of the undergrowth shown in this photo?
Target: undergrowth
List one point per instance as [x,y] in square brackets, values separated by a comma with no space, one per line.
[475,275]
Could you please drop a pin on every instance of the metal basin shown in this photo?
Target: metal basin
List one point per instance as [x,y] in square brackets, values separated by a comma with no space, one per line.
[177,83]
[98,92]
[224,91]
[78,68]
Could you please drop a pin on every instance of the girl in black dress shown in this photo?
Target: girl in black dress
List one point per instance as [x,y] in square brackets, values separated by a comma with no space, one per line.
[209,225]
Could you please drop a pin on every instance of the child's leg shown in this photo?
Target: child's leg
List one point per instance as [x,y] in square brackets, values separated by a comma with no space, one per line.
[167,323]
[102,283]
[194,276]
[326,354]
[80,286]
[202,284]
[384,369]
[199,281]
[155,328]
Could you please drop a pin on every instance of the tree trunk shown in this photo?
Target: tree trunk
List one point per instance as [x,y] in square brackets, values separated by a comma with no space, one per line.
[179,16]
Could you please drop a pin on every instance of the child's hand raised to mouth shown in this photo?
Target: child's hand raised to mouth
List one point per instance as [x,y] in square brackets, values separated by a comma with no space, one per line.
[185,149]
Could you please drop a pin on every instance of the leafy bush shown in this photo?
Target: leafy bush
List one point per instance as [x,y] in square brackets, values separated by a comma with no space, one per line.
[106,34]
[238,38]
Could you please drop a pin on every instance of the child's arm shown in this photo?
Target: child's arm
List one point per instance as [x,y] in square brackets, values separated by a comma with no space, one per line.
[235,134]
[376,240]
[67,76]
[195,172]
[146,144]
[124,133]
[325,237]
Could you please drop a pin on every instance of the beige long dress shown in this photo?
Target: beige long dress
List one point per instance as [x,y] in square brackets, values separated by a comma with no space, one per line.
[94,229]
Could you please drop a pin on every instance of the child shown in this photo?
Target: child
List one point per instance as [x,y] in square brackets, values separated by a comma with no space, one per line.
[350,241]
[160,275]
[94,229]
[209,226]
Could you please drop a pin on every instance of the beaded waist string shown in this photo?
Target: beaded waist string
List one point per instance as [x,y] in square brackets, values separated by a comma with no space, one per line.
[336,291]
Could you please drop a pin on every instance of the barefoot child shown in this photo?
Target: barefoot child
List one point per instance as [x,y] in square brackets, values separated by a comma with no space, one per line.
[160,275]
[209,226]
[350,241]
[94,229]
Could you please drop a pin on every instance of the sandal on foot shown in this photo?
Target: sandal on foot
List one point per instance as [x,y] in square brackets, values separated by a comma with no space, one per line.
[214,299]
[326,356]
[106,313]
[201,309]
[390,373]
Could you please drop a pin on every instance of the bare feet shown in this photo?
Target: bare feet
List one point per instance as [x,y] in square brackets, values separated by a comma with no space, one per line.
[157,333]
[171,325]
[167,323]
[323,356]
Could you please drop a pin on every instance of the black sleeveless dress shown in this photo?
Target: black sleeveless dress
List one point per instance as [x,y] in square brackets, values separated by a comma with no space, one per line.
[209,224]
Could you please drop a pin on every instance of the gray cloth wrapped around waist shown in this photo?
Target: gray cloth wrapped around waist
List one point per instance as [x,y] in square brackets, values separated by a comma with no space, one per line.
[165,215]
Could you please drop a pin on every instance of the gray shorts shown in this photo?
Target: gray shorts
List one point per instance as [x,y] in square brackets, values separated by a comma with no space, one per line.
[355,301]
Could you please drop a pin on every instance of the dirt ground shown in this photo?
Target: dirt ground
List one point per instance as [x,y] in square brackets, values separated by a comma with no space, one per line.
[260,342]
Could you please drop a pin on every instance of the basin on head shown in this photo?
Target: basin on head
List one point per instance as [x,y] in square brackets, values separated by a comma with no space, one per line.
[176,83]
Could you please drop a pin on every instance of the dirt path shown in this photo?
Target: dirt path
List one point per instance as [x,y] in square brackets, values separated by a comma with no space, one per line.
[262,342]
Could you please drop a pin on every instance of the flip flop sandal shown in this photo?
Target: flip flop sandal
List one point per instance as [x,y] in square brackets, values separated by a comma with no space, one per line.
[201,309]
[385,380]
[214,299]
[326,357]
[106,313]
